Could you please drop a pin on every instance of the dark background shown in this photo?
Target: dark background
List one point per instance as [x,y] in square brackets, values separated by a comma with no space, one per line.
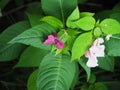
[16,79]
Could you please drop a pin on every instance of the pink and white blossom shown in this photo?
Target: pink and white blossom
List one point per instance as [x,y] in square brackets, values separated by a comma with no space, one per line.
[53,39]
[96,50]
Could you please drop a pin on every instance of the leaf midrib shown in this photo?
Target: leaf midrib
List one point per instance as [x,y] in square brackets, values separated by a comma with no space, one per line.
[61,7]
[58,74]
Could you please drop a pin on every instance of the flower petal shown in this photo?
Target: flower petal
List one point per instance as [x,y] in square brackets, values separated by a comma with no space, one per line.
[92,61]
[50,40]
[59,44]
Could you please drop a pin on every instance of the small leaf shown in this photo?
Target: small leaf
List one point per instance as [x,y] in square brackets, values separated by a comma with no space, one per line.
[72,18]
[53,72]
[34,36]
[81,45]
[82,62]
[84,14]
[86,23]
[31,57]
[31,84]
[110,26]
[106,63]
[52,21]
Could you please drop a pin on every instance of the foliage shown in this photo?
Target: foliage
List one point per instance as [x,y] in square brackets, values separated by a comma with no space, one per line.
[62,23]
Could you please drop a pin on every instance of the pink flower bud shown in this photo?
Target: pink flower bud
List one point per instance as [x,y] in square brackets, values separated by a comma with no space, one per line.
[53,39]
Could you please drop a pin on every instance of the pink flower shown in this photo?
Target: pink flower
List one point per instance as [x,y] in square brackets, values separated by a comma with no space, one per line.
[53,39]
[96,50]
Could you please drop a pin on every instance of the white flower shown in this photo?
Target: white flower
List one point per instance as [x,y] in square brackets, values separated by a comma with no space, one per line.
[96,50]
[108,37]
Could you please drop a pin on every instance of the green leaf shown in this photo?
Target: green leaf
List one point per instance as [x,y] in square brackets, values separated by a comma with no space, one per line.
[98,86]
[54,71]
[86,23]
[76,78]
[34,36]
[97,32]
[92,78]
[8,51]
[34,13]
[52,21]
[82,62]
[81,45]
[110,26]
[31,84]
[34,19]
[115,16]
[113,45]
[59,8]
[72,18]
[106,63]
[84,14]
[31,57]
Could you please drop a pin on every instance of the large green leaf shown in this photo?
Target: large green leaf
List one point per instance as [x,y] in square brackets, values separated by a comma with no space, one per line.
[31,57]
[81,45]
[31,84]
[110,26]
[72,18]
[113,45]
[7,51]
[82,62]
[34,36]
[56,73]
[59,8]
[106,63]
[86,23]
[52,21]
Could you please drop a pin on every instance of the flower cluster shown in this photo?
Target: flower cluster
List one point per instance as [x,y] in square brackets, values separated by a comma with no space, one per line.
[53,39]
[96,50]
